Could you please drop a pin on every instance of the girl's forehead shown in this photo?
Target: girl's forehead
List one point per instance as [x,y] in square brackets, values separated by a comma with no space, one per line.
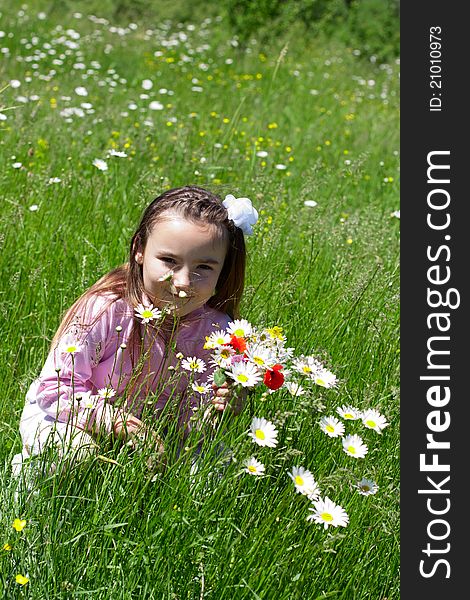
[172,223]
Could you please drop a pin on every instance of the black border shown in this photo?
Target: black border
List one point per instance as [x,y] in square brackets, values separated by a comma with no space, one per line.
[423,131]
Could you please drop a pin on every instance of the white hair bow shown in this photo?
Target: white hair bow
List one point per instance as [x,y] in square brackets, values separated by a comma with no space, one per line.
[241,212]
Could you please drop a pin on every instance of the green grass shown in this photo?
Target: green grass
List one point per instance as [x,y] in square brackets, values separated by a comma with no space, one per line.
[328,275]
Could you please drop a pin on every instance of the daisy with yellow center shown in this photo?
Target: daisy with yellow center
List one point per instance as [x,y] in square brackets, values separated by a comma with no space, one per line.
[216,339]
[348,412]
[306,365]
[222,356]
[69,345]
[106,393]
[244,373]
[354,446]
[372,419]
[295,389]
[19,524]
[201,388]
[325,378]
[328,514]
[239,328]
[367,487]
[304,482]
[332,426]
[263,432]
[254,467]
[194,364]
[147,313]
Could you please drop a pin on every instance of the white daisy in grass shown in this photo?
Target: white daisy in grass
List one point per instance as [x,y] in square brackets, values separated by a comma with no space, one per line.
[304,482]
[294,388]
[372,419]
[328,514]
[69,345]
[254,467]
[100,164]
[354,446]
[325,378]
[106,393]
[117,153]
[307,365]
[367,487]
[147,313]
[194,364]
[332,426]
[201,388]
[244,373]
[263,432]
[240,328]
[216,339]
[348,412]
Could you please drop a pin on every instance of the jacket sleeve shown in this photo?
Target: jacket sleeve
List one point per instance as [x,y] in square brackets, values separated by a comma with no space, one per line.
[64,388]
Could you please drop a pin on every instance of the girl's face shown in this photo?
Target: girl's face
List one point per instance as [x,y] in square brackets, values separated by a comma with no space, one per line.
[181,263]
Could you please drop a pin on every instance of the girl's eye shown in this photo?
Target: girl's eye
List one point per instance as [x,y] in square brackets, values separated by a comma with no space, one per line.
[167,259]
[205,267]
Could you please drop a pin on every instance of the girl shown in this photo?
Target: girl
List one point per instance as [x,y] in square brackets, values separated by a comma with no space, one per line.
[120,346]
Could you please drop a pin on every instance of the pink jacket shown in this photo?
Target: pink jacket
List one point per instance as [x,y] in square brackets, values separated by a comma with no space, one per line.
[102,362]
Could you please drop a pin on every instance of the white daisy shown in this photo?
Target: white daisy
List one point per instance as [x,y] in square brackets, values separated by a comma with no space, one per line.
[244,373]
[147,84]
[194,364]
[117,153]
[147,313]
[81,91]
[222,356]
[216,339]
[101,165]
[201,388]
[254,467]
[367,487]
[372,419]
[261,356]
[327,513]
[304,482]
[240,328]
[332,426]
[295,388]
[155,105]
[54,180]
[354,446]
[310,203]
[263,432]
[106,393]
[69,345]
[307,365]
[348,412]
[325,378]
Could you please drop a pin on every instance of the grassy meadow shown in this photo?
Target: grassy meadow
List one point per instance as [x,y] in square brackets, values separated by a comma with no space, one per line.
[291,122]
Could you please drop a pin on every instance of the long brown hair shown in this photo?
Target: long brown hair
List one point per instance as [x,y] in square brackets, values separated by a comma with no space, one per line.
[126,281]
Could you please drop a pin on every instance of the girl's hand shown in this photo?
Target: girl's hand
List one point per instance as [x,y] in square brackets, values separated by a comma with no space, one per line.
[228,397]
[130,428]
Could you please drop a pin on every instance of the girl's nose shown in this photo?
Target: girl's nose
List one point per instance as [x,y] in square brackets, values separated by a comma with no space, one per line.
[182,278]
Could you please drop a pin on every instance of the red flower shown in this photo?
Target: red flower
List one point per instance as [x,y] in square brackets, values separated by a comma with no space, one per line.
[238,343]
[273,378]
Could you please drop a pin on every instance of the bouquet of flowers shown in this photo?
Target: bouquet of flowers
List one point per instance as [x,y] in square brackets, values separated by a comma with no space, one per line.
[250,357]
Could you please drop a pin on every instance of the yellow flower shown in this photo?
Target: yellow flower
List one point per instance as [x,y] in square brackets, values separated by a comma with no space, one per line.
[21,579]
[19,524]
[7,547]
